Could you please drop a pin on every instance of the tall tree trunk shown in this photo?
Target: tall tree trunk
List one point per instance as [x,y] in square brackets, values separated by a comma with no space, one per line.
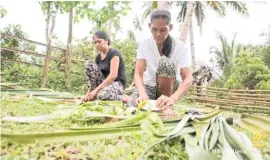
[110,26]
[69,51]
[268,34]
[53,24]
[185,26]
[192,45]
[48,53]
[47,61]
[161,4]
[48,22]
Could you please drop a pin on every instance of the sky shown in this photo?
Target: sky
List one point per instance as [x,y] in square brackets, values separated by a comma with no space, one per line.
[29,15]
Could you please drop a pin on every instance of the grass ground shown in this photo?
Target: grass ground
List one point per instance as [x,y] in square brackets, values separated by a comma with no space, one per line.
[121,147]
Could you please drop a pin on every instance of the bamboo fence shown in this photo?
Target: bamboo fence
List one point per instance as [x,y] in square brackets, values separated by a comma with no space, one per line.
[231,99]
[34,53]
[30,41]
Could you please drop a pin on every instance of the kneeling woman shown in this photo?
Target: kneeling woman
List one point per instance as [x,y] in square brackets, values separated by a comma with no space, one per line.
[106,76]
[166,59]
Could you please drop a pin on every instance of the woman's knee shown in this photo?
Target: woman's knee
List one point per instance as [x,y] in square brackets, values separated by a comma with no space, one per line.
[165,85]
[165,68]
[91,66]
[107,93]
[103,95]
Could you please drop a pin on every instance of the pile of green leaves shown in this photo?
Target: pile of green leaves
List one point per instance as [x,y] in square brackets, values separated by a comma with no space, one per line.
[63,116]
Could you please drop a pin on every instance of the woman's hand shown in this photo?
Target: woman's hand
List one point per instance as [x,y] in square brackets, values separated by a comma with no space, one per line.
[141,98]
[89,96]
[163,102]
[168,112]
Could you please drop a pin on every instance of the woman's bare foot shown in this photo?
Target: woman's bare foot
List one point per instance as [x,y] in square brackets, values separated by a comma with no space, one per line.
[125,98]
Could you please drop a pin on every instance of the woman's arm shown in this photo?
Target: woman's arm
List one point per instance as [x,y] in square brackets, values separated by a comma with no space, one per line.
[184,86]
[138,77]
[115,61]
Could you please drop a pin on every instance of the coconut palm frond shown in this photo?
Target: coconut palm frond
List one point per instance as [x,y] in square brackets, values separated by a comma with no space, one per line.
[199,13]
[149,7]
[218,56]
[225,48]
[238,6]
[218,7]
[233,44]
[225,54]
[183,8]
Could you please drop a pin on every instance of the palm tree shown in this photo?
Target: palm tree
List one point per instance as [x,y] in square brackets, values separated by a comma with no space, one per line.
[225,54]
[151,5]
[3,12]
[199,7]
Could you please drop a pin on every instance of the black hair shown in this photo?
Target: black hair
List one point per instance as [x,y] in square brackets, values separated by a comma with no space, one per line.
[167,46]
[103,35]
[161,13]
[164,14]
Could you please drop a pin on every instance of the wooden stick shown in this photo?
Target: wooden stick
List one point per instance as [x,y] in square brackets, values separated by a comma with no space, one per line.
[251,99]
[11,60]
[232,101]
[38,54]
[235,94]
[224,89]
[232,97]
[27,52]
[250,90]
[233,90]
[248,104]
[31,41]
[239,108]
[132,84]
